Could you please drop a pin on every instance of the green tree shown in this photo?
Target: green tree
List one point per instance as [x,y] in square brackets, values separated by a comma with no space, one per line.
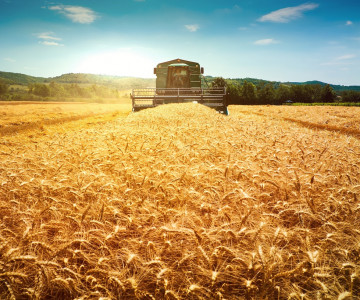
[350,96]
[56,90]
[282,94]
[301,93]
[74,90]
[3,87]
[327,94]
[249,93]
[266,94]
[39,89]
[219,82]
[315,90]
[234,93]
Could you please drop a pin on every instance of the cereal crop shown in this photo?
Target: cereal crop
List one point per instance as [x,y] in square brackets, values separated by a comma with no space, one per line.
[333,118]
[23,116]
[180,202]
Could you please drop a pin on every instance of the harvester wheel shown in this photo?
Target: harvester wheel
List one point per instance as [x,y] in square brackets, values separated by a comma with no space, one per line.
[135,109]
[224,111]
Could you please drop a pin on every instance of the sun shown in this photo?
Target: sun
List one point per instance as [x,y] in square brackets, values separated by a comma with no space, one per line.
[120,62]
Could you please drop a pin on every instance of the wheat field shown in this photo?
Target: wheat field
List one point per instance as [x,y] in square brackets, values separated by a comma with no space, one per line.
[180,202]
[21,116]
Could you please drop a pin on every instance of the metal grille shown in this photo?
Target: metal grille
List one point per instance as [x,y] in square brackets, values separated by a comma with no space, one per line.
[151,97]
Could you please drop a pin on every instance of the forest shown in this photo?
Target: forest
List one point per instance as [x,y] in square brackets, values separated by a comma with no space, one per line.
[55,91]
[248,93]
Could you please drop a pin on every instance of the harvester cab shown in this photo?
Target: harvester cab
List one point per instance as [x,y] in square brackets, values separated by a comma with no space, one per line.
[179,81]
[178,76]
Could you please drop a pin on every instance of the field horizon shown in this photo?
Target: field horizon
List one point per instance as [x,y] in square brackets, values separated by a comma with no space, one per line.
[128,82]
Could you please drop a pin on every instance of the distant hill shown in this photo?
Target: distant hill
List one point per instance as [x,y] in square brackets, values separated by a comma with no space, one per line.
[18,78]
[337,88]
[242,80]
[122,82]
[119,82]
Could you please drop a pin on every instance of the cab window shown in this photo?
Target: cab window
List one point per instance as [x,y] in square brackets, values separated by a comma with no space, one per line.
[178,77]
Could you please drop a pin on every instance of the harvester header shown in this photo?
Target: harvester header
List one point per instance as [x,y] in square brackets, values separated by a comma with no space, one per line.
[179,81]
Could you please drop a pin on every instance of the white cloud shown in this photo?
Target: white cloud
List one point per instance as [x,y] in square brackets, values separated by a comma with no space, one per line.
[265,42]
[341,60]
[235,8]
[9,59]
[48,39]
[50,43]
[77,14]
[192,27]
[347,56]
[55,7]
[287,14]
[348,23]
[48,36]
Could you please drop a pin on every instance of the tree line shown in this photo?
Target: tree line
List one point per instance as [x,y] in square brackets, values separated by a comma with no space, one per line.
[272,93]
[54,89]
[4,87]
[38,91]
[244,92]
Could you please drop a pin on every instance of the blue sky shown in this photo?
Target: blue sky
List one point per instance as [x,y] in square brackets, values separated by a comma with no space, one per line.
[284,40]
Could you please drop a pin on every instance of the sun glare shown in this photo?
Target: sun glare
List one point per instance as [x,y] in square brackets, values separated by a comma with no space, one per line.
[123,62]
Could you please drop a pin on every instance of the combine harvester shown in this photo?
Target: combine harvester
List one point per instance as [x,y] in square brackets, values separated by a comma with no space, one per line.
[179,81]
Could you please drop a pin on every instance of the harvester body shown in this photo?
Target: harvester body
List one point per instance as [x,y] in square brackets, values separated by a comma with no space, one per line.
[179,81]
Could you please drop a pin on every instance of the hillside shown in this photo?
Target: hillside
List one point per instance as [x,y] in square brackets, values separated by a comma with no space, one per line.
[18,78]
[123,82]
[337,88]
[118,82]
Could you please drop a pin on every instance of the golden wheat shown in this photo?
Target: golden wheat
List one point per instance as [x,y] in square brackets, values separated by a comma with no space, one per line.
[179,202]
